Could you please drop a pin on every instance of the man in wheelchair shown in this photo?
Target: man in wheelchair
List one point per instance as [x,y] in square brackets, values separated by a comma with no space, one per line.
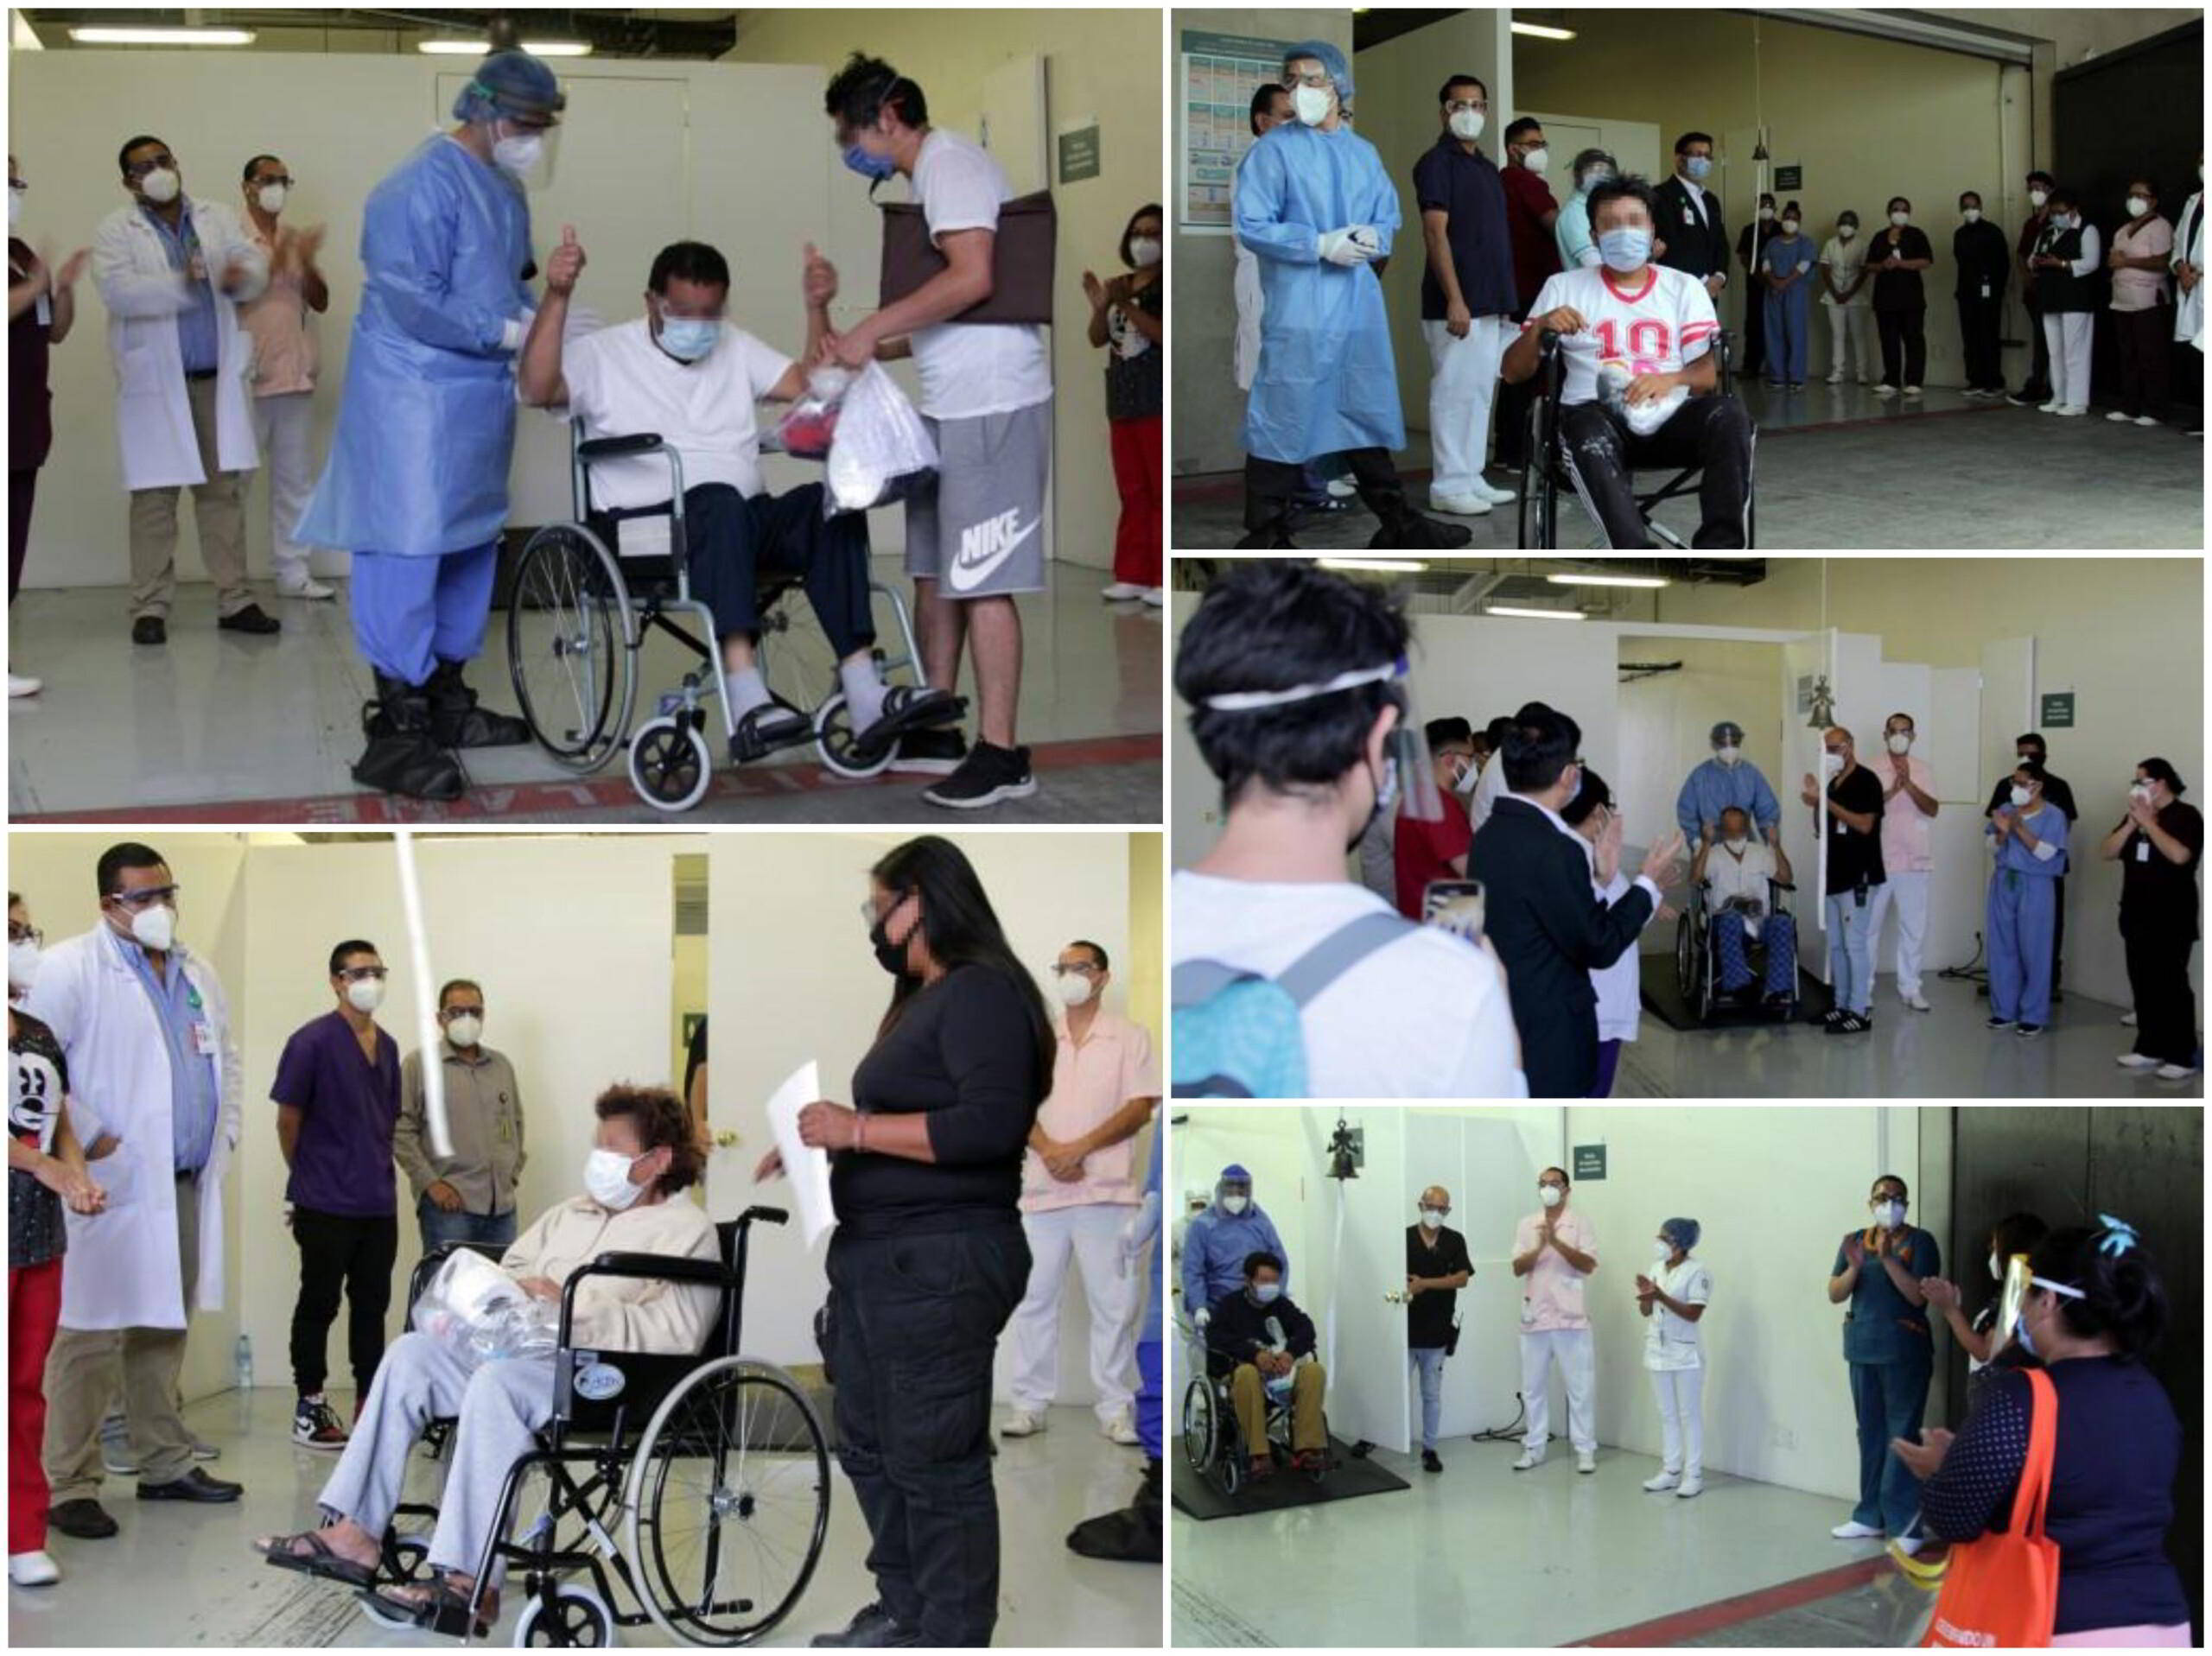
[686,374]
[1265,1345]
[643,1155]
[1736,874]
[1641,376]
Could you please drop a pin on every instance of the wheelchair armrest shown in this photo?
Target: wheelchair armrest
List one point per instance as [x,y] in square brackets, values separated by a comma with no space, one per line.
[658,1267]
[1781,885]
[600,448]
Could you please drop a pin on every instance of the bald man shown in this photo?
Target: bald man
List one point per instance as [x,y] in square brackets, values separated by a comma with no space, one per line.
[1848,814]
[1437,1267]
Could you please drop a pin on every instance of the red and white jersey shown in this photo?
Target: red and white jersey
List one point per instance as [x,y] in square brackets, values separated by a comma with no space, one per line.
[1653,325]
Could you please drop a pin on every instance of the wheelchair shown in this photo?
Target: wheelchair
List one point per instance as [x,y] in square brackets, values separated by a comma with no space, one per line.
[700,1483]
[588,593]
[1213,1443]
[1697,963]
[1544,475]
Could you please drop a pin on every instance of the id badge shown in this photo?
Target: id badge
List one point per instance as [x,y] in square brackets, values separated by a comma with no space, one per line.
[1984,290]
[2142,851]
[42,311]
[203,1039]
[1842,827]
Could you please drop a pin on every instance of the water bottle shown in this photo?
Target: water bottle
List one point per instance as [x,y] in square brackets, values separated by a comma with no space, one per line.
[245,1363]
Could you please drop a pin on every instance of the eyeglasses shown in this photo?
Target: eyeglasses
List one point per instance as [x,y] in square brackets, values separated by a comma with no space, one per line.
[17,933]
[356,973]
[1082,968]
[464,1011]
[146,896]
[1458,105]
[140,169]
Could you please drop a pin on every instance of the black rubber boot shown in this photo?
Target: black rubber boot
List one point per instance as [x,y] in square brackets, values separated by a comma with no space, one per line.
[457,721]
[1270,498]
[403,756]
[1133,1533]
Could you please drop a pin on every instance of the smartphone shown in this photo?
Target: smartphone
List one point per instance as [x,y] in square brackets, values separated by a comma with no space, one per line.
[1454,906]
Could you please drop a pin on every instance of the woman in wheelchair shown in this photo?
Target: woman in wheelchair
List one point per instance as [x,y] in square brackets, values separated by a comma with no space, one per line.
[1265,1345]
[1638,340]
[642,1156]
[1735,875]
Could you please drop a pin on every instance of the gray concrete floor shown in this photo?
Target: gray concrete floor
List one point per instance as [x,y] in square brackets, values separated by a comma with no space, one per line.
[1946,473]
[1945,1053]
[213,727]
[1481,1555]
[184,1577]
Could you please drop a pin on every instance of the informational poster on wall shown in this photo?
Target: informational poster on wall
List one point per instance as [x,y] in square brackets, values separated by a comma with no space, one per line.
[1220,74]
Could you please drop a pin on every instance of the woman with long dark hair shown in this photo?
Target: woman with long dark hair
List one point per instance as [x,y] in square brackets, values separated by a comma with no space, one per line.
[929,1260]
[1129,320]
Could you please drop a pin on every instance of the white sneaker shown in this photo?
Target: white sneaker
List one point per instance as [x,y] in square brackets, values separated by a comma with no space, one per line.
[1496,497]
[1912,391]
[1460,506]
[1154,596]
[1916,1001]
[1853,1530]
[1885,390]
[2120,419]
[2129,1019]
[305,587]
[2052,407]
[2135,1061]
[1529,1462]
[1121,1429]
[1662,1483]
[32,1570]
[2073,410]
[2174,1071]
[18,685]
[1116,591]
[1909,1545]
[1690,1486]
[1342,488]
[1022,1424]
[2145,420]
[1585,1460]
[1836,379]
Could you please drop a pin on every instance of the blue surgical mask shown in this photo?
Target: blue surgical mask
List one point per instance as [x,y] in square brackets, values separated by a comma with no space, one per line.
[2027,1340]
[1267,1292]
[868,165]
[1699,166]
[1625,250]
[687,338]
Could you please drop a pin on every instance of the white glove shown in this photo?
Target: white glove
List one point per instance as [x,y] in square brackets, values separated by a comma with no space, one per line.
[1202,1318]
[516,331]
[1142,1225]
[1354,245]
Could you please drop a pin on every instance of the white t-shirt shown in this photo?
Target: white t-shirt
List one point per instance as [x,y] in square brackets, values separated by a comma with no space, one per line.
[621,383]
[1656,325]
[1424,1017]
[970,369]
[1746,878]
[1672,1341]
[1620,986]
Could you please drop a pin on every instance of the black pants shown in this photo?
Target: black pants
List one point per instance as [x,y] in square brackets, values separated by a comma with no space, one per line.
[21,487]
[1272,488]
[1980,336]
[340,1254]
[913,1325]
[2144,336]
[2037,389]
[1905,345]
[733,538]
[2159,947]
[1511,406]
[1754,327]
[1712,432]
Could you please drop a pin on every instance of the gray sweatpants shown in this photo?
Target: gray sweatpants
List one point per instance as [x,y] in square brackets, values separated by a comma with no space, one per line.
[500,1406]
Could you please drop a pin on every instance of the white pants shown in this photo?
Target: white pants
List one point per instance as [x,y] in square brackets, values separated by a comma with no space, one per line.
[1092,1234]
[1851,331]
[282,426]
[1463,380]
[2068,333]
[1680,1392]
[1907,892]
[1575,1352]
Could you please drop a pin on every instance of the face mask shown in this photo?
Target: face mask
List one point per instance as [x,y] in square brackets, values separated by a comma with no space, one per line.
[2025,757]
[161,186]
[1728,754]
[1996,1269]
[1625,250]
[1972,215]
[465,1031]
[1430,1218]
[1663,1250]
[1766,213]
[1889,1214]
[687,338]
[518,156]
[271,197]
[2019,797]
[1900,219]
[2037,198]
[1235,1204]
[1900,742]
[365,994]
[868,165]
[2027,1340]
[1146,252]
[1549,1195]
[1075,989]
[1789,227]
[1536,160]
[1312,104]
[1267,1292]
[607,1179]
[1699,166]
[2138,790]
[891,956]
[2137,206]
[1739,843]
[15,207]
[22,963]
[1845,233]
[155,928]
[1467,124]
[1832,762]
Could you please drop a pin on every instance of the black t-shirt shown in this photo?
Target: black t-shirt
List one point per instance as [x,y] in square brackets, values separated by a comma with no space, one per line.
[1899,289]
[1428,1322]
[964,1052]
[1854,859]
[36,1231]
[1134,384]
[2149,884]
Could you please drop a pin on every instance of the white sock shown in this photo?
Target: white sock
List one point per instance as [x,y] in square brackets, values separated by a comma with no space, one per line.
[864,690]
[745,691]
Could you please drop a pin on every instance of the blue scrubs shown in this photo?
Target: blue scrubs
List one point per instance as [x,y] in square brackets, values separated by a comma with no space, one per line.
[1148,1340]
[417,477]
[1789,313]
[2022,919]
[1215,1247]
[1327,381]
[1892,1355]
[1713,787]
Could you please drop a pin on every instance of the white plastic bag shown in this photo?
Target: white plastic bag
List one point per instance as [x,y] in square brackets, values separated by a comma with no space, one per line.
[482,1314]
[881,452]
[809,425]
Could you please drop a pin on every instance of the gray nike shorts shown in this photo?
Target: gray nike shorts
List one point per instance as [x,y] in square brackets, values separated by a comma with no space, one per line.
[981,529]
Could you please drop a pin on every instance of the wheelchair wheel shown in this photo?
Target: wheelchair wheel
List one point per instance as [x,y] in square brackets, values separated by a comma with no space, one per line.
[568,646]
[1200,1439]
[670,764]
[727,1503]
[833,739]
[578,1616]
[1685,953]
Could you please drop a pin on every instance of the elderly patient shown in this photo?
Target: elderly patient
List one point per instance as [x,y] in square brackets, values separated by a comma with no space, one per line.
[1262,1360]
[642,1156]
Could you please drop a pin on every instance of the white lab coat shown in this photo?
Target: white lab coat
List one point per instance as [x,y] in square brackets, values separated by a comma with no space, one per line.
[1250,301]
[2189,308]
[123,1270]
[144,295]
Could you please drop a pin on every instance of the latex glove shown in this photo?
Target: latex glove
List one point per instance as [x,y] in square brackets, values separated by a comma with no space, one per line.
[1142,1225]
[1201,1318]
[516,331]
[1354,245]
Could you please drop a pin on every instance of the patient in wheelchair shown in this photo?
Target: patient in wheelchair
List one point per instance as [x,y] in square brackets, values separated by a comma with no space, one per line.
[643,1155]
[686,374]
[1739,867]
[1640,376]
[1265,1345]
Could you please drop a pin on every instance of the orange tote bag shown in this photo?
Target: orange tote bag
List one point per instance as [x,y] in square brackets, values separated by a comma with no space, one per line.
[2000,1592]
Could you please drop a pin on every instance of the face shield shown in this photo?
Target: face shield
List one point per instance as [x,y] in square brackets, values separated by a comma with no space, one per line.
[1410,776]
[2012,1295]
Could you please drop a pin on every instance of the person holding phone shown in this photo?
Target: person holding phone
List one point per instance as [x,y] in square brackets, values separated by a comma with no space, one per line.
[1426,851]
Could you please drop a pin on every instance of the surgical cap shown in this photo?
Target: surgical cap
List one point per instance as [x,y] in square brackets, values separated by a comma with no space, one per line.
[1233,1174]
[1684,1233]
[511,83]
[1330,58]
[1727,730]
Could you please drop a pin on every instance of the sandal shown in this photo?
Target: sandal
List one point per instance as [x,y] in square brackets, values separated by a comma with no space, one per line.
[437,1607]
[318,1560]
[907,707]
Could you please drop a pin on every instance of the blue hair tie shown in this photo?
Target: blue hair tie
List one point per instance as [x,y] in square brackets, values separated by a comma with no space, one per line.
[2118,1235]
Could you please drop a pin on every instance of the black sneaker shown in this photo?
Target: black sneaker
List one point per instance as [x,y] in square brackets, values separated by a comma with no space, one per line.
[2025,398]
[2029,1032]
[315,1424]
[1834,1015]
[872,1625]
[150,629]
[252,619]
[1994,1021]
[1851,1023]
[988,775]
[931,752]
[1429,1463]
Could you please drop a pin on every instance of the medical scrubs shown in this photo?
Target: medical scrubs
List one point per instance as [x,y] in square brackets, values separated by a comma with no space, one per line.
[1789,311]
[1892,1355]
[2022,919]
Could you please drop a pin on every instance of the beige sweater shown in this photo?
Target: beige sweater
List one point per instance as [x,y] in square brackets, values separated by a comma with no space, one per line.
[624,1313]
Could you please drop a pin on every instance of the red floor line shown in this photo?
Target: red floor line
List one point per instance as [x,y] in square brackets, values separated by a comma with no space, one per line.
[1745,1607]
[608,790]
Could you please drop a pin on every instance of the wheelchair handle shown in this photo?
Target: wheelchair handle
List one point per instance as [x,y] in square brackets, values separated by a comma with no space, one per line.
[764,1215]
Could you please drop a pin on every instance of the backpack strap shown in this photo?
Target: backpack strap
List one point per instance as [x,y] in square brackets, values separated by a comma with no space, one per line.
[1194,983]
[1337,953]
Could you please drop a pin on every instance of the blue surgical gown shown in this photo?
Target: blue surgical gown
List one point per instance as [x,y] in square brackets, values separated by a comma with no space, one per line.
[1327,381]
[426,426]
[1215,1247]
